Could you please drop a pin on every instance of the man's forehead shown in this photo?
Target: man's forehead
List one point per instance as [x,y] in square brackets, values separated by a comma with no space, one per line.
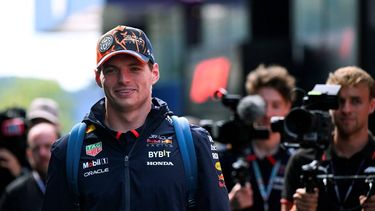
[359,90]
[39,144]
[126,58]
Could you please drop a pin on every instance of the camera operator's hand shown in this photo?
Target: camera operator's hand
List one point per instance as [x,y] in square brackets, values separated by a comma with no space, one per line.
[367,203]
[305,201]
[241,197]
[9,161]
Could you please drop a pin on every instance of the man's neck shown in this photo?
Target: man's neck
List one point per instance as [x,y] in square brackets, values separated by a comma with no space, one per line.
[346,146]
[126,121]
[42,175]
[263,148]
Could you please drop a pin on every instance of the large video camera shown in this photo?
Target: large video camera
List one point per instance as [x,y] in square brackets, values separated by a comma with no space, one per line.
[237,133]
[239,129]
[310,125]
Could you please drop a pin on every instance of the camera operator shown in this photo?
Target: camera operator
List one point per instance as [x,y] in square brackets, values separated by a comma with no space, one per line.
[351,152]
[265,159]
[13,161]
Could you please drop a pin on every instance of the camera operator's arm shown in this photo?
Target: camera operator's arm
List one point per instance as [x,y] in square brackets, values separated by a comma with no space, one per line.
[9,161]
[367,203]
[292,178]
[241,197]
[305,201]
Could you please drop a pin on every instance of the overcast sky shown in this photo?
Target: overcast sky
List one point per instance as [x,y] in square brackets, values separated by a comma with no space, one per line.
[68,58]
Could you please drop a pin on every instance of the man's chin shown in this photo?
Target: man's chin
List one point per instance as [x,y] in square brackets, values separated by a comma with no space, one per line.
[42,171]
[121,104]
[346,131]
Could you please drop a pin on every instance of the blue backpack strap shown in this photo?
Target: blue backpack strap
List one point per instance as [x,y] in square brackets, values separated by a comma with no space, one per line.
[186,145]
[73,155]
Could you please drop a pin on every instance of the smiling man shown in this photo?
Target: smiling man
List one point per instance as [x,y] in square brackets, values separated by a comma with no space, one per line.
[130,158]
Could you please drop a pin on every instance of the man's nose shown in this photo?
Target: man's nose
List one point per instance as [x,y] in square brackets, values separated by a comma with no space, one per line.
[124,75]
[346,107]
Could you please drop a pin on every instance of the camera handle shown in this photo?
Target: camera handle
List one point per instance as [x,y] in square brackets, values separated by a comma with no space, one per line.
[370,181]
[241,171]
[309,175]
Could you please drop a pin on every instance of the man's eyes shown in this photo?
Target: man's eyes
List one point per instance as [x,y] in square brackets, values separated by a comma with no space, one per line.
[276,106]
[356,101]
[109,70]
[353,101]
[113,70]
[135,68]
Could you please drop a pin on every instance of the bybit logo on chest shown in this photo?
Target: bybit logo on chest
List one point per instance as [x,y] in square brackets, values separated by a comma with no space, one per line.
[159,154]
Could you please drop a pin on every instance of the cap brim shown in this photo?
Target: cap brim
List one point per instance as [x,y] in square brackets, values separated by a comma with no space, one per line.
[139,56]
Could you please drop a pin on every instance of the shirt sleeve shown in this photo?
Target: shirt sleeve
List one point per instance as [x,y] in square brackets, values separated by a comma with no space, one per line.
[290,181]
[57,196]
[293,173]
[212,193]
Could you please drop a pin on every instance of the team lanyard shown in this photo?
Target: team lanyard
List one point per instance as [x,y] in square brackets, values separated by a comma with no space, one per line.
[350,187]
[265,193]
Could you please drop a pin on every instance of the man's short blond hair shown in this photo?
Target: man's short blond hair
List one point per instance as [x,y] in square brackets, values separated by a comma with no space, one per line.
[352,76]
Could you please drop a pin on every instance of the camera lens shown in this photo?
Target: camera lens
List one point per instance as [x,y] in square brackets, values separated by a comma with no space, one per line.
[299,121]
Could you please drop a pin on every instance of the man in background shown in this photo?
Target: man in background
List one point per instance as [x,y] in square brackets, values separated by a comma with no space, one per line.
[350,153]
[265,157]
[43,109]
[27,192]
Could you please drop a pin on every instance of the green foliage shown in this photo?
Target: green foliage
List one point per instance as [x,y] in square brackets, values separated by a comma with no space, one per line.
[21,91]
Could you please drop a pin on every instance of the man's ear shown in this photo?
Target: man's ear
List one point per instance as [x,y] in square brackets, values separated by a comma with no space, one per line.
[155,73]
[372,106]
[29,155]
[97,78]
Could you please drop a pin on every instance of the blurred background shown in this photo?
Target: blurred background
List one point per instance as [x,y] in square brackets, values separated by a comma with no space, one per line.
[48,47]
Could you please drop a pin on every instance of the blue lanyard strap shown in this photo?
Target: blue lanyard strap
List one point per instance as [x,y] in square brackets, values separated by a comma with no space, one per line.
[259,179]
[350,187]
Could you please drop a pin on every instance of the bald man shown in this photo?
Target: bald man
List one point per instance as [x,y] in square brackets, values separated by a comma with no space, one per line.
[26,192]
